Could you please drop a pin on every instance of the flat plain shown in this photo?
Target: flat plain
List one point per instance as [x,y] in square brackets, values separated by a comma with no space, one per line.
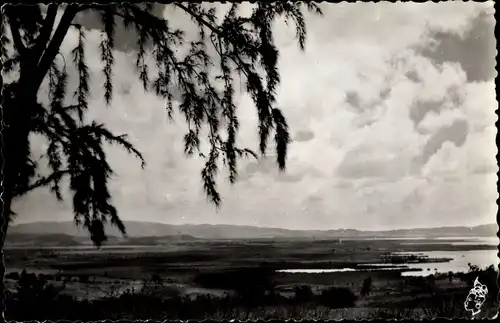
[196,279]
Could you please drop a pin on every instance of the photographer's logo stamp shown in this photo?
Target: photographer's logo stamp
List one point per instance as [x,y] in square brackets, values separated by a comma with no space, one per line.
[476,298]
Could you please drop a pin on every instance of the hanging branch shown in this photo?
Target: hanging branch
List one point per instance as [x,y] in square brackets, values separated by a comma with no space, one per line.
[16,36]
[43,38]
[106,46]
[76,150]
[53,47]
[82,91]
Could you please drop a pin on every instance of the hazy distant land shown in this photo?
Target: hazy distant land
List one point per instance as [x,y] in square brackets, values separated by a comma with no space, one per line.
[66,233]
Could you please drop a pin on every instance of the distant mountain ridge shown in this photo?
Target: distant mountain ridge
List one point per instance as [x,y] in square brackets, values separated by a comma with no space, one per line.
[152,230]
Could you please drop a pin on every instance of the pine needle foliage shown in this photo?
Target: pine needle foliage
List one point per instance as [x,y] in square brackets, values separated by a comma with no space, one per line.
[243,44]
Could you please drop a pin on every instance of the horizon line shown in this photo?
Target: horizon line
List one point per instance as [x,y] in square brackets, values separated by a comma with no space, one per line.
[265,227]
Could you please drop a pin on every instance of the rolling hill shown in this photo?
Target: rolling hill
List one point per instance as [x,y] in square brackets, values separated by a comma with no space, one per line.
[141,232]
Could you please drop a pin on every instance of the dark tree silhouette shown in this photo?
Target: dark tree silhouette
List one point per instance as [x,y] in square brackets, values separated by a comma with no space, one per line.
[30,40]
[367,286]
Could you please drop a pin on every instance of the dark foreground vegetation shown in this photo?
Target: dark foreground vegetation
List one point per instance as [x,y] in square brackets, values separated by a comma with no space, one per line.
[253,295]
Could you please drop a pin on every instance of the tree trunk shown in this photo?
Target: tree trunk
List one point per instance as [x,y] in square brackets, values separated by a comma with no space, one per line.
[17,107]
[15,139]
[4,221]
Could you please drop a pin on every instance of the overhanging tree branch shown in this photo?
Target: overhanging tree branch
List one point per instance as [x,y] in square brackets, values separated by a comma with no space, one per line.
[239,62]
[45,32]
[42,182]
[54,45]
[16,36]
[243,43]
[197,17]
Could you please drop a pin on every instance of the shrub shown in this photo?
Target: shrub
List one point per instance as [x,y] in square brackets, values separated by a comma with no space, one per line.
[338,297]
[13,276]
[303,294]
[239,280]
[46,277]
[486,276]
[29,286]
[156,279]
[83,278]
[35,294]
[367,286]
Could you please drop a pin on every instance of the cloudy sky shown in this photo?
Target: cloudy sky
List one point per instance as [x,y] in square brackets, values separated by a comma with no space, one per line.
[392,112]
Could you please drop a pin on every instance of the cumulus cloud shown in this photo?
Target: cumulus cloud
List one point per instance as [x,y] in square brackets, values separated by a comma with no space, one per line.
[389,128]
[303,136]
[474,49]
[455,133]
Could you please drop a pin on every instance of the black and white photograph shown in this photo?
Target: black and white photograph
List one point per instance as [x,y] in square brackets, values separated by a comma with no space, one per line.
[267,160]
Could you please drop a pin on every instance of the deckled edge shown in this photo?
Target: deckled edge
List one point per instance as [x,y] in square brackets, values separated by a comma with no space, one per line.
[497,157]
[2,220]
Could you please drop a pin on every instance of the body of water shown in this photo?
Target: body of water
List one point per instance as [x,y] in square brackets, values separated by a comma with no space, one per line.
[457,241]
[315,271]
[385,267]
[458,263]
[461,259]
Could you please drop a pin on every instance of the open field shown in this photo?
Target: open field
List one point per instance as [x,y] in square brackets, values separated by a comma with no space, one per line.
[237,273]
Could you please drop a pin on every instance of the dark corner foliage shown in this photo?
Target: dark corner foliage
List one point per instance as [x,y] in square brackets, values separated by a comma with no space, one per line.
[76,146]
